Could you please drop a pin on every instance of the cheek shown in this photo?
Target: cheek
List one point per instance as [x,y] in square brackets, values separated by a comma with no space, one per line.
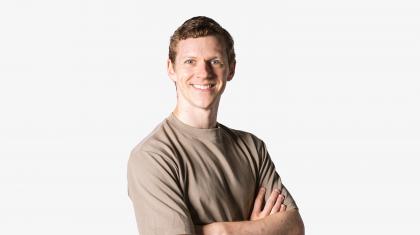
[222,73]
[186,74]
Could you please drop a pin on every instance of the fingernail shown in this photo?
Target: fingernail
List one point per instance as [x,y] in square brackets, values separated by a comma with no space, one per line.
[262,189]
[277,190]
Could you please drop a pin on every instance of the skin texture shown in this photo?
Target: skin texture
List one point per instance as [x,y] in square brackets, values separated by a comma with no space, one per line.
[273,205]
[200,61]
[203,61]
[288,222]
[270,219]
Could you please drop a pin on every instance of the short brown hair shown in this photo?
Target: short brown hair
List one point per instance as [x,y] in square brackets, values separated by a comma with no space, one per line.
[201,26]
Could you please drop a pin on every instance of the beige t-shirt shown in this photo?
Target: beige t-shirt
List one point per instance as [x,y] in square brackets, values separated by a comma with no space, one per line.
[180,176]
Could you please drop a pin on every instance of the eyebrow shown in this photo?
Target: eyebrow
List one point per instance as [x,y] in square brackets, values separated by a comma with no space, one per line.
[188,57]
[194,57]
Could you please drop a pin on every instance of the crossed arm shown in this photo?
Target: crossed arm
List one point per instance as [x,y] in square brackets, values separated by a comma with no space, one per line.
[152,183]
[273,219]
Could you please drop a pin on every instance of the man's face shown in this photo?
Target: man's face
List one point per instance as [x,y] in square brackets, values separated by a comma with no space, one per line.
[200,71]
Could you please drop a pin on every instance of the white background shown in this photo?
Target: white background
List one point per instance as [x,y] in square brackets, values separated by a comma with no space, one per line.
[332,87]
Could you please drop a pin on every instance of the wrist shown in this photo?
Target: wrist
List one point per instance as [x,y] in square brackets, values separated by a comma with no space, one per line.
[224,228]
[216,228]
[235,228]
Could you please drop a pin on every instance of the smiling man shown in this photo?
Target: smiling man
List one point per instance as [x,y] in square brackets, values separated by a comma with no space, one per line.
[192,174]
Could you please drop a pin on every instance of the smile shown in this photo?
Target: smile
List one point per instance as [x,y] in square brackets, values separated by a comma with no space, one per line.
[203,87]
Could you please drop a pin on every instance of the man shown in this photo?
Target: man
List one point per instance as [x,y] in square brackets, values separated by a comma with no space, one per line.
[193,175]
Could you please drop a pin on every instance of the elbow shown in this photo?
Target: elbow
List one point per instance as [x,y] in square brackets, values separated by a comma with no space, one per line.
[299,228]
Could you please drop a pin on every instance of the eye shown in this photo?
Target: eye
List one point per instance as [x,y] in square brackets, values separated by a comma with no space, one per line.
[216,62]
[189,61]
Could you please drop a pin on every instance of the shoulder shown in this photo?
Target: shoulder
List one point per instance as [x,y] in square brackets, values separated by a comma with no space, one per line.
[156,145]
[246,137]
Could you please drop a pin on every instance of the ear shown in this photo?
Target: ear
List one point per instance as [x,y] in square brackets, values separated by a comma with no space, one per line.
[231,71]
[171,70]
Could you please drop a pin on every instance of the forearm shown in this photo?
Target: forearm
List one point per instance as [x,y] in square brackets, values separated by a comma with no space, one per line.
[286,223]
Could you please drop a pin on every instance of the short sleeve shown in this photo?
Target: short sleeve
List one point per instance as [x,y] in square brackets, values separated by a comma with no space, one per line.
[154,189]
[270,179]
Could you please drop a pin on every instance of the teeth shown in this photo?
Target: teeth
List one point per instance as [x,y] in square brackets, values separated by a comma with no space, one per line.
[202,87]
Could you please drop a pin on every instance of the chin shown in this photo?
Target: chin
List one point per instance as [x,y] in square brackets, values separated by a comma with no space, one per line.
[206,105]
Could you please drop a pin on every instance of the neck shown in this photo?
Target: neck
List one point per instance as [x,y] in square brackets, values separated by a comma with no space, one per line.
[196,117]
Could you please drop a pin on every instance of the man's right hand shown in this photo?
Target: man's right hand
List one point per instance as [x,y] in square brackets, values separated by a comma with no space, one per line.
[273,205]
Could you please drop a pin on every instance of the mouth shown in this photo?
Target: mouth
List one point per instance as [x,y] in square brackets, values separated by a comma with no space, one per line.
[203,86]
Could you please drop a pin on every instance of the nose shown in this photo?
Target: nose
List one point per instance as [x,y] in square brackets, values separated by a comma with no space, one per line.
[204,70]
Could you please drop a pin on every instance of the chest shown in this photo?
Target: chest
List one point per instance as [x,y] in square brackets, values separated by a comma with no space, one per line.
[219,182]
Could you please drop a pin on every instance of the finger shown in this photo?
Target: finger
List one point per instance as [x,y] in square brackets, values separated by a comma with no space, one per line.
[259,200]
[283,208]
[277,205]
[271,201]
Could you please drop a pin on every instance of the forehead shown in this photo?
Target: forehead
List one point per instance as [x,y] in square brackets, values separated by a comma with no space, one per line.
[202,46]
